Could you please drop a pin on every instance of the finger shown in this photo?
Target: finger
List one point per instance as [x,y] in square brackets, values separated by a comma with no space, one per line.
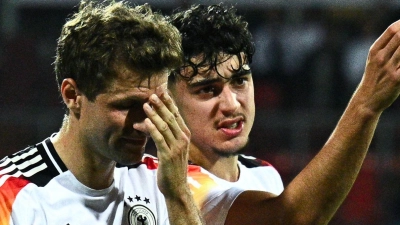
[157,137]
[392,46]
[386,36]
[395,61]
[170,104]
[159,123]
[165,113]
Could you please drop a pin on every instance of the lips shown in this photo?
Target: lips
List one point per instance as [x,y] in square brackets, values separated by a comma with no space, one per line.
[230,123]
[136,141]
[231,127]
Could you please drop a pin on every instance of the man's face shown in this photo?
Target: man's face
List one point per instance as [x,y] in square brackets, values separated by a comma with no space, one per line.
[107,123]
[219,111]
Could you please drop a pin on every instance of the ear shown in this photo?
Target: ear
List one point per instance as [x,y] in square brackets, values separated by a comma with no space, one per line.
[71,95]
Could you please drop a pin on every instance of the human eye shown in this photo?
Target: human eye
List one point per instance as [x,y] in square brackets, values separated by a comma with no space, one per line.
[206,90]
[240,81]
[126,105]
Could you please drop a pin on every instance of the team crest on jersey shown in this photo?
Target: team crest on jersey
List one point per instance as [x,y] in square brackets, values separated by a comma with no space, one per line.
[141,215]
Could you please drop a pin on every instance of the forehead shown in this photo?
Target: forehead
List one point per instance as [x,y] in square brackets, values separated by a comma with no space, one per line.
[226,66]
[128,81]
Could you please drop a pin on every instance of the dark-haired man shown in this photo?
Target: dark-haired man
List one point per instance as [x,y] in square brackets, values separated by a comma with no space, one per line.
[214,93]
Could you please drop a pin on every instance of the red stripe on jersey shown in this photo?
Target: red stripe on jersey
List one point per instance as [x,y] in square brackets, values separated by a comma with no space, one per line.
[150,162]
[8,193]
[194,168]
[263,163]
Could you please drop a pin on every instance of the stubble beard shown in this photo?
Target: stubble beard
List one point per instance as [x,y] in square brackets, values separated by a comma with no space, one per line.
[231,153]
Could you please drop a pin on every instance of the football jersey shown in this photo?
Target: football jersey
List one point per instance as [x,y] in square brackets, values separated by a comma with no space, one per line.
[214,196]
[36,188]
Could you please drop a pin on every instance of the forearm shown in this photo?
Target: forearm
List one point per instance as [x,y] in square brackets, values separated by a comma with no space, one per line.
[182,209]
[318,191]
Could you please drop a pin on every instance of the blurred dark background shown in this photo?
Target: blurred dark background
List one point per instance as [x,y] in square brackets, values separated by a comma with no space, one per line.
[310,57]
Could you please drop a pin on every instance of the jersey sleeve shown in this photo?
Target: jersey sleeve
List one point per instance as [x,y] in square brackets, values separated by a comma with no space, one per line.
[214,200]
[17,207]
[10,188]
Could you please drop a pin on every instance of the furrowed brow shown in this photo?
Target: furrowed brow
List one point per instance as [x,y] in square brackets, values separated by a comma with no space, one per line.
[208,81]
[204,82]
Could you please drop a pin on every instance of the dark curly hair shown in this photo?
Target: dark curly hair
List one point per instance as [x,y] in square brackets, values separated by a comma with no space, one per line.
[210,31]
[102,37]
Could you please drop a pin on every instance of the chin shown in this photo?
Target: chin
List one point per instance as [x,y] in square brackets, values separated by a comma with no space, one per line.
[233,149]
[130,157]
[228,153]
[129,162]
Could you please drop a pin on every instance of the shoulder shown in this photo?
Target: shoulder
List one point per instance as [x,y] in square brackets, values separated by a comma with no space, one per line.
[252,162]
[17,164]
[37,163]
[12,182]
[17,169]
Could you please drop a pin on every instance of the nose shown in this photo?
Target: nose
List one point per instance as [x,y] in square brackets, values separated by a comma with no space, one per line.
[229,103]
[141,127]
[136,117]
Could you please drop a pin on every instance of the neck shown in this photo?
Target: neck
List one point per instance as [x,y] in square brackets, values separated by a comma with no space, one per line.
[221,166]
[88,168]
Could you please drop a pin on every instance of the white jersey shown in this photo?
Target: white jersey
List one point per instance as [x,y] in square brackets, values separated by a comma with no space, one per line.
[215,196]
[36,188]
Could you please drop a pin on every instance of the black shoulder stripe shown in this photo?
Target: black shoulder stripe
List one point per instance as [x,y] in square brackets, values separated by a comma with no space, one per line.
[51,163]
[251,162]
[55,155]
[44,176]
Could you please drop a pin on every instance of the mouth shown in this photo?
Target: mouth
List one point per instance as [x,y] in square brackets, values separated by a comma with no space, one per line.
[231,127]
[234,125]
[135,141]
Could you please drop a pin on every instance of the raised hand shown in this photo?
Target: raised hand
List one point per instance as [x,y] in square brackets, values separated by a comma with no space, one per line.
[380,85]
[172,138]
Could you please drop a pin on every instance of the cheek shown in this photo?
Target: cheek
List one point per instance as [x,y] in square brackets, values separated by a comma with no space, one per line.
[247,98]
[107,122]
[116,119]
[194,115]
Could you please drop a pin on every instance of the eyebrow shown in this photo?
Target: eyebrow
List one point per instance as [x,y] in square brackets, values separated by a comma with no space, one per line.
[207,81]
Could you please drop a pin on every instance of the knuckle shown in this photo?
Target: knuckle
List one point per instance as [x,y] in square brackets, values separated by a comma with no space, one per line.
[170,119]
[392,30]
[373,50]
[380,58]
[157,139]
[164,127]
[176,114]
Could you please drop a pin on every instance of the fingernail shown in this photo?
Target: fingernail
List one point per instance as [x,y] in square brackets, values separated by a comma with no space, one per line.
[154,98]
[161,89]
[147,107]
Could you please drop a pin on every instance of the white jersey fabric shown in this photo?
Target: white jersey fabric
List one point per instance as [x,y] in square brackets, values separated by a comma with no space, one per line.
[215,196]
[36,188]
